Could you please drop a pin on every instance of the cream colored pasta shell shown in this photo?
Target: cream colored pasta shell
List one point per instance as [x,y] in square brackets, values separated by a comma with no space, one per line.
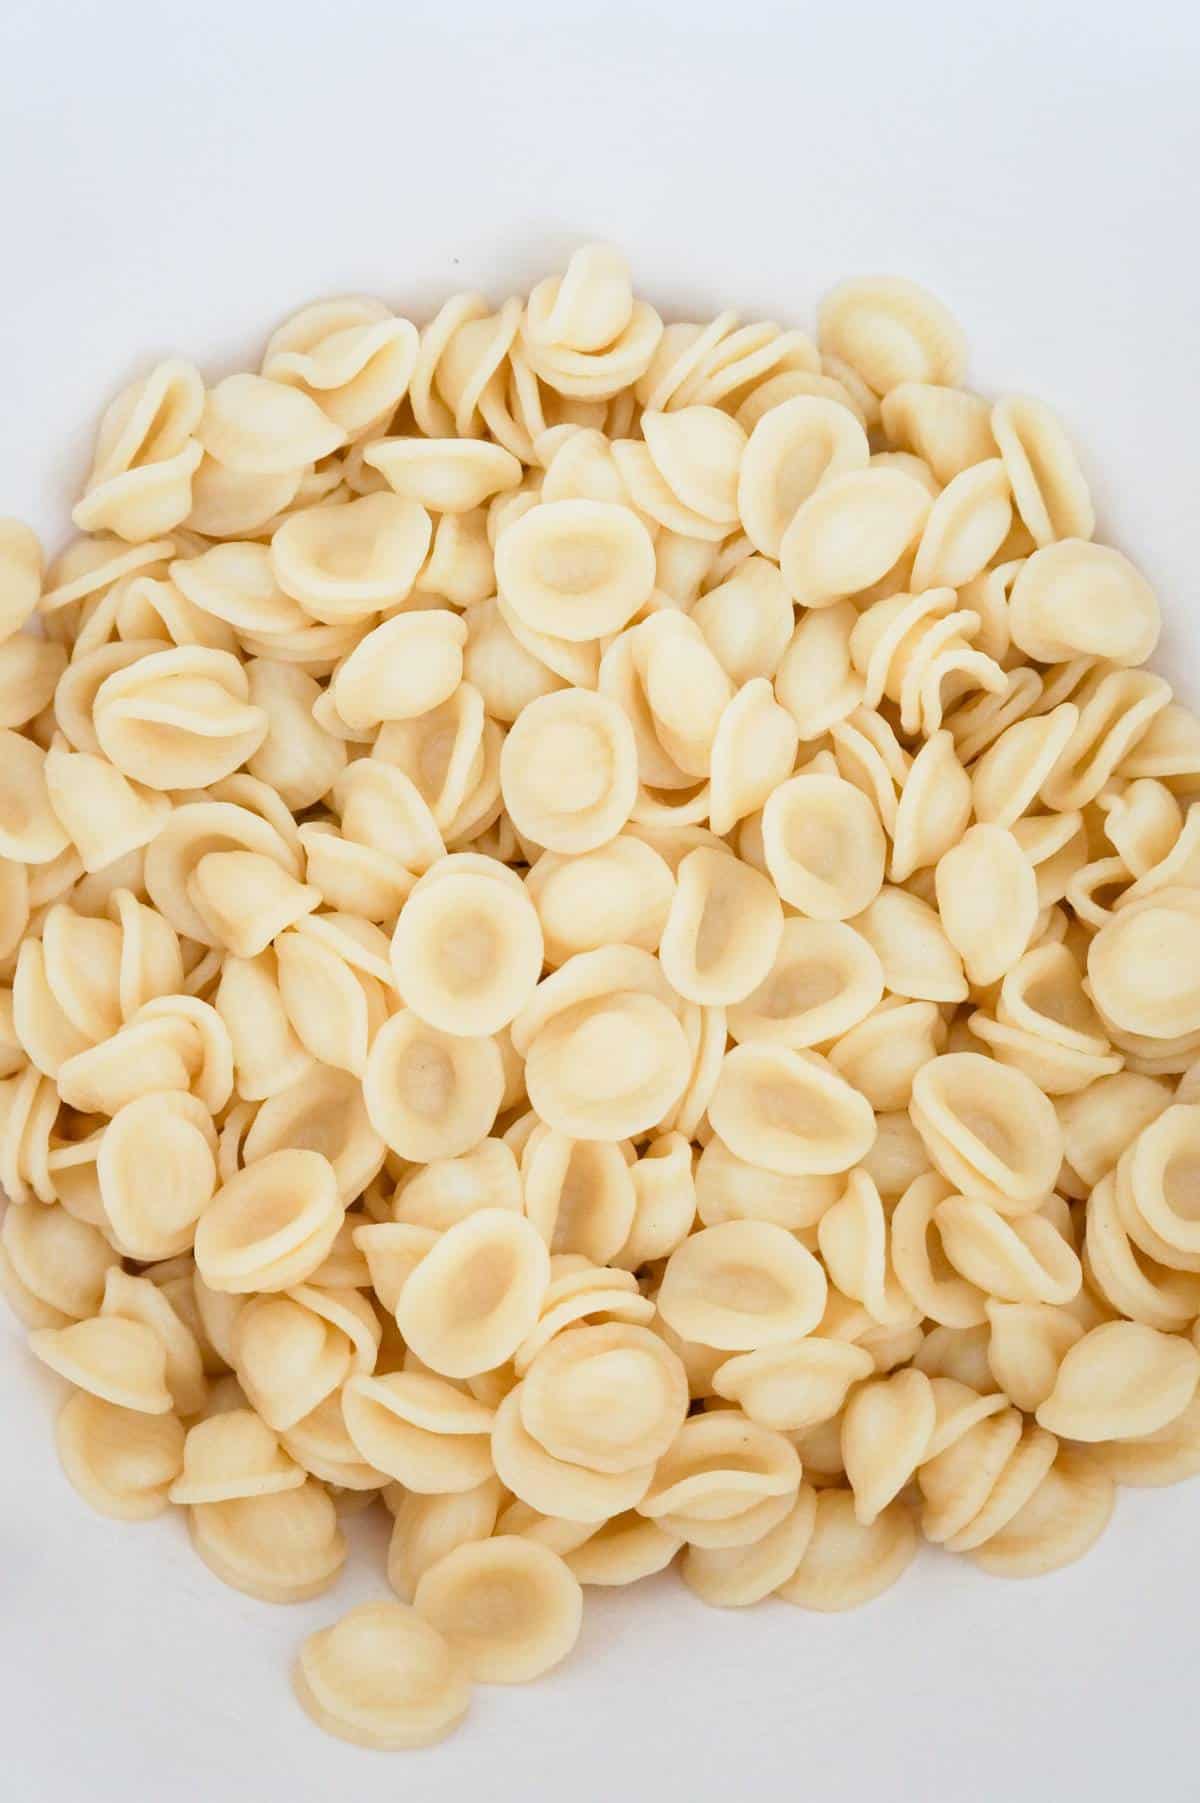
[568,771]
[467,951]
[891,331]
[916,649]
[1021,1260]
[933,809]
[271,1225]
[987,900]
[282,1547]
[426,1528]
[578,1194]
[610,1398]
[734,1577]
[1028,1343]
[853,1237]
[403,668]
[1005,781]
[885,1431]
[947,427]
[988,1129]
[381,1677]
[824,846]
[120,1361]
[966,527]
[881,1055]
[1063,1518]
[824,979]
[790,1112]
[1121,1381]
[430,1094]
[1102,1120]
[508,1607]
[816,680]
[447,1190]
[30,830]
[1153,1188]
[422,1431]
[608,1069]
[52,1266]
[1048,486]
[722,931]
[923,1269]
[1144,967]
[577,569]
[292,1351]
[476,1295]
[260,427]
[233,1454]
[720,1466]
[178,719]
[742,1285]
[121,1461]
[846,1564]
[321,1111]
[622,1551]
[664,1201]
[1074,599]
[1167,1456]
[851,531]
[753,750]
[1127,1281]
[268,1057]
[697,450]
[618,894]
[794,448]
[351,356]
[747,620]
[730,1188]
[345,563]
[29,673]
[796,1385]
[157,1173]
[555,1486]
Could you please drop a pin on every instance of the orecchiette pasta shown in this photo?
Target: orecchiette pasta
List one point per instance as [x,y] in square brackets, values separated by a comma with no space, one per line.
[598,942]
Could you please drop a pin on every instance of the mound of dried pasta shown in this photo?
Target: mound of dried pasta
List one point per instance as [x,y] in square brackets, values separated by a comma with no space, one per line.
[600,942]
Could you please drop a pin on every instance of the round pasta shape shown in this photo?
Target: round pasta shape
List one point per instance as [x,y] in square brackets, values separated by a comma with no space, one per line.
[850,532]
[428,1093]
[742,1285]
[419,1430]
[753,750]
[577,569]
[1075,599]
[891,331]
[1027,1345]
[882,1054]
[608,1068]
[824,979]
[508,1607]
[790,1112]
[1049,488]
[845,1563]
[1144,967]
[118,1360]
[1121,1381]
[178,719]
[157,1172]
[262,428]
[733,1577]
[556,1486]
[824,846]
[426,1528]
[988,1129]
[401,669]
[578,1194]
[30,830]
[886,1428]
[352,356]
[948,428]
[618,894]
[721,1468]
[230,1455]
[1021,1260]
[610,1398]
[122,1462]
[292,1351]
[795,1385]
[794,448]
[569,771]
[747,620]
[467,950]
[730,1188]
[342,564]
[625,1549]
[476,1295]
[447,1190]
[381,1677]
[1060,1522]
[20,575]
[52,1266]
[722,931]
[321,1111]
[271,1225]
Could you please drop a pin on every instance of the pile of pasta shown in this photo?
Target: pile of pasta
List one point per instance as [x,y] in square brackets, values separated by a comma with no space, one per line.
[600,942]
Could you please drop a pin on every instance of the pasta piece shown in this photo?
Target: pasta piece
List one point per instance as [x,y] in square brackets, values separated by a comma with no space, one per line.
[476,1295]
[556,1486]
[747,620]
[891,331]
[1075,599]
[295,1350]
[1048,485]
[608,1068]
[742,1285]
[381,1677]
[722,930]
[753,750]
[578,569]
[419,1430]
[1142,967]
[178,719]
[52,1266]
[122,1462]
[825,558]
[948,428]
[426,1528]
[794,448]
[736,1576]
[146,455]
[886,1429]
[853,1238]
[271,1225]
[618,894]
[610,1398]
[21,565]
[1121,1381]
[429,1094]
[509,1608]
[118,1360]
[157,1172]
[352,357]
[987,900]
[790,1112]
[568,771]
[796,1385]
[579,1194]
[1028,1343]
[911,647]
[230,1455]
[403,668]
[988,1129]
[824,846]
[467,950]
[846,1564]
[343,564]
[816,680]
[824,979]
[1022,1260]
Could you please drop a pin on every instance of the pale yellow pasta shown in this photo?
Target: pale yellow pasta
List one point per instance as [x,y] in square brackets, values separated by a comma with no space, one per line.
[747,620]
[730,1188]
[915,648]
[987,900]
[476,1295]
[1121,1381]
[467,950]
[722,930]
[753,749]
[419,1430]
[21,564]
[1049,488]
[742,1285]
[620,894]
[790,1112]
[850,532]
[118,1360]
[577,569]
[578,1193]
[854,1241]
[429,1094]
[795,1385]
[823,980]
[608,1068]
[382,1677]
[122,1462]
[568,771]
[891,331]
[824,846]
[816,680]
[988,1129]
[271,1225]
[1076,599]
[1028,1343]
[508,1607]
[556,1486]
[947,427]
[1143,966]
[610,1398]
[845,1564]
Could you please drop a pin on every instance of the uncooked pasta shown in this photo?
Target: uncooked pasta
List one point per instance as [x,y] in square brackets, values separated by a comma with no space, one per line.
[598,952]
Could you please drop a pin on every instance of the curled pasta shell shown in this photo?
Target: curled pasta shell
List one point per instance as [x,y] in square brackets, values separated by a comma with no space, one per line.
[1144,967]
[823,980]
[729,1188]
[851,531]
[345,563]
[52,1266]
[426,1528]
[881,1055]
[321,1111]
[157,1173]
[476,1295]
[885,1431]
[508,1607]
[736,1576]
[579,1194]
[791,451]
[140,482]
[403,668]
[720,1467]
[569,772]
[121,1461]
[891,331]
[178,719]
[988,1129]
[1028,1343]
[1048,486]
[577,569]
[121,1361]
[271,1225]
[742,1285]
[790,1111]
[292,1351]
[946,427]
[824,846]
[351,356]
[608,1068]
[988,902]
[467,950]
[1063,1518]
[1122,1380]
[1022,1260]
[722,931]
[448,475]
[967,525]
[429,1094]
[1075,599]
[854,1242]
[922,1267]
[422,1431]
[624,1549]
[381,1677]
[618,894]
[30,830]
[846,1564]
[610,1398]
[557,1486]
[747,620]
[262,428]
[282,1547]
[816,680]
[795,1385]
[753,750]
[230,1455]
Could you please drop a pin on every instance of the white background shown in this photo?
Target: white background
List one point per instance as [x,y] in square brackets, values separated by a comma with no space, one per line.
[178,178]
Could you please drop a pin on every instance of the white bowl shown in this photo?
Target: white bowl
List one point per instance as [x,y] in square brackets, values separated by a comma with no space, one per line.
[179,179]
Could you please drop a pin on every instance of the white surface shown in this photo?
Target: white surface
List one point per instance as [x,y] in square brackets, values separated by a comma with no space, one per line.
[179,178]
